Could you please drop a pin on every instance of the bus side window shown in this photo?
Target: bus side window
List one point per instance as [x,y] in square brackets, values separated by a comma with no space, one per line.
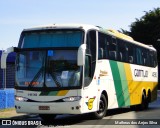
[138,56]
[142,55]
[91,48]
[155,59]
[87,75]
[145,57]
[113,49]
[130,54]
[148,58]
[101,46]
[100,53]
[121,50]
[91,41]
[103,42]
[108,41]
[151,59]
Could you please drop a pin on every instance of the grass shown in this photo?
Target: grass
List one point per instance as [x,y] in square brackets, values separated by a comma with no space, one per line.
[6,113]
[10,113]
[7,109]
[3,116]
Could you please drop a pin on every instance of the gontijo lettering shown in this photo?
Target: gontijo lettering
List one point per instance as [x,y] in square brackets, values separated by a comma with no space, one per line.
[140,73]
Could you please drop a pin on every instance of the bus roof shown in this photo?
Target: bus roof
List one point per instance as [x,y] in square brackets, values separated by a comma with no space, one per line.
[61,26]
[87,27]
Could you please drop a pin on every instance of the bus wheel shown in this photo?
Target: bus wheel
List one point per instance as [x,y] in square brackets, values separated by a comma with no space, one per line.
[47,117]
[147,102]
[102,108]
[144,103]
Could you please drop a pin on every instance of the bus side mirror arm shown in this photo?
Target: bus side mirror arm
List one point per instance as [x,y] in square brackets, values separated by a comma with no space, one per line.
[81,55]
[5,55]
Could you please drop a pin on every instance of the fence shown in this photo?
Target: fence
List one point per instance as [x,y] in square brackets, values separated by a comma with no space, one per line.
[6,98]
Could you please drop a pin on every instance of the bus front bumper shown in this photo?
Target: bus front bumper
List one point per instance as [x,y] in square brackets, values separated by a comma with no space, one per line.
[48,108]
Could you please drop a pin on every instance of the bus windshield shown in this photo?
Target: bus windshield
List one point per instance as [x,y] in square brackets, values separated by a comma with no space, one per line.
[47,68]
[48,58]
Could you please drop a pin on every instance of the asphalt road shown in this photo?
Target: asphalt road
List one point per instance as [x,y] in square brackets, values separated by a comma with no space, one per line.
[116,118]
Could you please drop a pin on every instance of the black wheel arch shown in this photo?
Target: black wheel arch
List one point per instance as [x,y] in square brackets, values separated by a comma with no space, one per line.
[106,95]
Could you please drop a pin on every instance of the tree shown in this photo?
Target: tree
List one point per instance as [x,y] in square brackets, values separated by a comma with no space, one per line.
[147,29]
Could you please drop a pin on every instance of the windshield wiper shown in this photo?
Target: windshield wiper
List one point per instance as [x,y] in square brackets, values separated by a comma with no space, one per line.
[41,70]
[55,79]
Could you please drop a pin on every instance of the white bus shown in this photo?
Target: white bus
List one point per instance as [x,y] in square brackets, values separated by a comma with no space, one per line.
[76,69]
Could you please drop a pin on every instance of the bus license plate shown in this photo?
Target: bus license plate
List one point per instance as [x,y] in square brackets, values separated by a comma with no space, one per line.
[44,107]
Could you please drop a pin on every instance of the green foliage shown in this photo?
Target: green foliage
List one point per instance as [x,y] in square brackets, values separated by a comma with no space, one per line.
[147,29]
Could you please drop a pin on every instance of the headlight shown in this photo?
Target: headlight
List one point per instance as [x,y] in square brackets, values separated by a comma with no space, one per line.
[19,98]
[72,98]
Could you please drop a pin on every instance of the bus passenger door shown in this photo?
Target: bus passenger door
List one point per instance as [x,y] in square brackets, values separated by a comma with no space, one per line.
[89,89]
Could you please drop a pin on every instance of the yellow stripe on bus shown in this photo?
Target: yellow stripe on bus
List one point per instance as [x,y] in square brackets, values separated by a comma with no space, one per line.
[129,81]
[62,92]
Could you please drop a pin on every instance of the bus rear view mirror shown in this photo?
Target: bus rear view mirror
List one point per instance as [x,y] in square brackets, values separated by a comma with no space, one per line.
[81,55]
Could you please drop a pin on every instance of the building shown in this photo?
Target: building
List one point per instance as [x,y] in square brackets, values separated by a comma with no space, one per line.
[7,77]
[7,80]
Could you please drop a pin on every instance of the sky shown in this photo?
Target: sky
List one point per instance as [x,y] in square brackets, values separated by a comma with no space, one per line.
[16,15]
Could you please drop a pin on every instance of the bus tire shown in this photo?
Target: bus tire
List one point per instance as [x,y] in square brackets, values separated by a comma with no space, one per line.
[144,103]
[147,100]
[102,108]
[47,117]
